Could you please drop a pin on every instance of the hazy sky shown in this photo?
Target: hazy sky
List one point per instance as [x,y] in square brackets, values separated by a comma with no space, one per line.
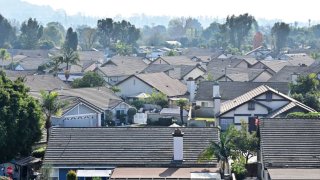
[294,10]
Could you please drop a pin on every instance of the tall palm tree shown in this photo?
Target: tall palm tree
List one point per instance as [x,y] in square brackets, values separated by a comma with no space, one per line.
[68,56]
[221,150]
[51,106]
[181,103]
[4,55]
[54,65]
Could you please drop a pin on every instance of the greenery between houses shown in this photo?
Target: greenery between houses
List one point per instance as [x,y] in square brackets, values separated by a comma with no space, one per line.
[90,79]
[39,153]
[238,145]
[21,119]
[310,115]
[72,175]
[306,90]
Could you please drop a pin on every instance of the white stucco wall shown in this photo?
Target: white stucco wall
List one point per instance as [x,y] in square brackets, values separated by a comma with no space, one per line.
[195,73]
[134,86]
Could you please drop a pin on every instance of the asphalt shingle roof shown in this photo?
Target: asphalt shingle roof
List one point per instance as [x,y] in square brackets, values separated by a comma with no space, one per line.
[126,146]
[290,143]
[231,90]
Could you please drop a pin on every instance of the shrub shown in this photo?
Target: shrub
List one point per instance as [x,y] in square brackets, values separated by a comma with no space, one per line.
[165,121]
[72,175]
[138,103]
[310,115]
[96,178]
[39,153]
[131,112]
[239,169]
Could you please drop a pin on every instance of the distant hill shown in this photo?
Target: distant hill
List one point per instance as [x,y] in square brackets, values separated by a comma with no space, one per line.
[16,10]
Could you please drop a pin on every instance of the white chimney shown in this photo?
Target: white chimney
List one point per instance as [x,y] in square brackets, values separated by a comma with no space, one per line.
[216,97]
[294,78]
[177,145]
[191,87]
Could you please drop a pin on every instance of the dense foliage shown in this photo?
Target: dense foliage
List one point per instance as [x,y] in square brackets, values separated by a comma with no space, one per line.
[72,175]
[20,119]
[310,115]
[306,90]
[90,79]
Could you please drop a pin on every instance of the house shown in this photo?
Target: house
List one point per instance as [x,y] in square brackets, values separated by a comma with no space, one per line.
[240,74]
[260,53]
[289,74]
[228,91]
[262,101]
[88,107]
[289,148]
[180,72]
[147,83]
[128,153]
[174,60]
[120,67]
[44,82]
[174,113]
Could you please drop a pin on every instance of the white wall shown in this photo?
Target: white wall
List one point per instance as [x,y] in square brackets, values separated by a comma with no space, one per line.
[195,73]
[210,103]
[134,86]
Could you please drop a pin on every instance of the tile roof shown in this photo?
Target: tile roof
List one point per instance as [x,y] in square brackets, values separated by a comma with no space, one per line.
[177,173]
[44,82]
[284,75]
[229,105]
[178,60]
[275,65]
[101,97]
[123,66]
[294,173]
[227,89]
[290,143]
[126,147]
[162,82]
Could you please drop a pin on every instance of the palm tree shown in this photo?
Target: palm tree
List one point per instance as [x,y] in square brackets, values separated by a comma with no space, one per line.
[54,65]
[221,150]
[68,56]
[51,106]
[181,103]
[4,55]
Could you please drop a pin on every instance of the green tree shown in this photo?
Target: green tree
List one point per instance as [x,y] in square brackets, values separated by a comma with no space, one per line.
[221,150]
[115,89]
[31,32]
[51,106]
[239,27]
[54,65]
[20,119]
[71,41]
[182,103]
[158,98]
[123,49]
[87,37]
[6,31]
[306,90]
[68,56]
[280,32]
[4,55]
[72,175]
[90,79]
[245,143]
[105,31]
[53,32]
[131,112]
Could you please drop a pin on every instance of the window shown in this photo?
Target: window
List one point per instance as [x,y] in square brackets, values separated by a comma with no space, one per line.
[225,123]
[269,96]
[251,105]
[204,104]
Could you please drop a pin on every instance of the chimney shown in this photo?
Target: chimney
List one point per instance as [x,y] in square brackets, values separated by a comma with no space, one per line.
[216,97]
[177,145]
[191,86]
[294,78]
